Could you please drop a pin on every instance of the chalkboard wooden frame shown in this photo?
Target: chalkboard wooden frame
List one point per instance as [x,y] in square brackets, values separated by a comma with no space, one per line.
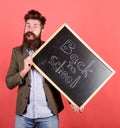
[58,48]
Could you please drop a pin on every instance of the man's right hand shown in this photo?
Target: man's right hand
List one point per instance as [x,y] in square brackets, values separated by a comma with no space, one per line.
[28,62]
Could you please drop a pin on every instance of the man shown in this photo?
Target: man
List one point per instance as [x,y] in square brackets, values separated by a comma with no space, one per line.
[38,102]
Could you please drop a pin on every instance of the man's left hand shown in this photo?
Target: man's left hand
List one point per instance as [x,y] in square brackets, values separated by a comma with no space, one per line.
[77,109]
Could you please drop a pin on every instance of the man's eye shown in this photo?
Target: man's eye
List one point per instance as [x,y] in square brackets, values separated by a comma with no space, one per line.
[36,26]
[27,25]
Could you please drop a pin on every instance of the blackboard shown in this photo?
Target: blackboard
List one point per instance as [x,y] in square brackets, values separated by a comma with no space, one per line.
[71,66]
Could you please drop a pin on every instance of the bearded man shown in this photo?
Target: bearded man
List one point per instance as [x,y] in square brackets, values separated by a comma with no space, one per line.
[38,102]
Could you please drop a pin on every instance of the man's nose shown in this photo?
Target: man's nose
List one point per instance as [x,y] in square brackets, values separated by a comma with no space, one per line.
[31,29]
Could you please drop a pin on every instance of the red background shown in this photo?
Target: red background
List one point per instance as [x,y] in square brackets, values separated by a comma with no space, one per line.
[97,22]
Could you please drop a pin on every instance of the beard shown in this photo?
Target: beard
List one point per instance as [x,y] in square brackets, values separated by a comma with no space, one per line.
[31,44]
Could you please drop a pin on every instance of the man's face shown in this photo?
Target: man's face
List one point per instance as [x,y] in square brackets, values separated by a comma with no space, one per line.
[32,34]
[32,26]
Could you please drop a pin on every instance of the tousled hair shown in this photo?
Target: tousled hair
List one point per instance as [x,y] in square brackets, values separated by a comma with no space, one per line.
[34,14]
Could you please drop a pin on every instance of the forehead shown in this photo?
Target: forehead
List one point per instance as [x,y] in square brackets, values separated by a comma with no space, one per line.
[33,22]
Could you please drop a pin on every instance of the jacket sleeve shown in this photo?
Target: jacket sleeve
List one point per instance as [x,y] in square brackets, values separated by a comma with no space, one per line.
[13,77]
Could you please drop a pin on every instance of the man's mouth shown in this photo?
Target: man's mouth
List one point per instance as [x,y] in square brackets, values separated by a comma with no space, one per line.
[30,36]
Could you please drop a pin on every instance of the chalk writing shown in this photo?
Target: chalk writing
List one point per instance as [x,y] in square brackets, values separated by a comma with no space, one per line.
[88,69]
[68,46]
[73,65]
[59,69]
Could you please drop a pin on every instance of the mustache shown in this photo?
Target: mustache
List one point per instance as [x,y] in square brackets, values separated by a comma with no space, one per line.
[29,34]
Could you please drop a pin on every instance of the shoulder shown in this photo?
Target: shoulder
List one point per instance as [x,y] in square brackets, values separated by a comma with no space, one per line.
[18,47]
[18,50]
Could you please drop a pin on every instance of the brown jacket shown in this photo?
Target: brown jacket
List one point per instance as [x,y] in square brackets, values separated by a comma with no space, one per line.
[13,79]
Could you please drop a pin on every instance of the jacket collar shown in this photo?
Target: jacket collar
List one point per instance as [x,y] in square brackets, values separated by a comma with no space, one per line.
[24,51]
